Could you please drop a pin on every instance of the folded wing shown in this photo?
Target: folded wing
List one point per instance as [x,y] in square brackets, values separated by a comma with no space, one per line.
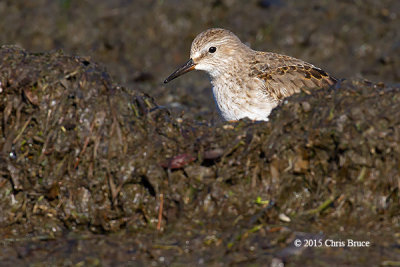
[284,76]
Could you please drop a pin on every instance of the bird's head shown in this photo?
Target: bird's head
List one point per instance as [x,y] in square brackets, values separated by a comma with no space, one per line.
[214,51]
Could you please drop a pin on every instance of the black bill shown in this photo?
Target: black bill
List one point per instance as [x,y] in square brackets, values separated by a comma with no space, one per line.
[188,66]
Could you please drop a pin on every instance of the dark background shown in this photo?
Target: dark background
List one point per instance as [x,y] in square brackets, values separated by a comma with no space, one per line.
[141,42]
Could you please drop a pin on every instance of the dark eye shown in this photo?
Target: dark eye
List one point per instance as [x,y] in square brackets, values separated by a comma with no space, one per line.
[212,49]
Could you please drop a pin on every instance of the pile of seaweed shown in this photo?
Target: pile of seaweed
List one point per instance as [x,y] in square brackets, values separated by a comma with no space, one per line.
[80,153]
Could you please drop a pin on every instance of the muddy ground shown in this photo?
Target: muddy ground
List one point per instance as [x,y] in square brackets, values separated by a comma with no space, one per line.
[93,146]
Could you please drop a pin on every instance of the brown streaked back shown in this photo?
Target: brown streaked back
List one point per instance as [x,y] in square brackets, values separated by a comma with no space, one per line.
[283,75]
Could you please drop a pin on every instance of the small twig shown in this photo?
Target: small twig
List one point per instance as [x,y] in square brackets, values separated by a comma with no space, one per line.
[160,212]
[45,145]
[85,144]
[326,204]
[112,188]
[22,130]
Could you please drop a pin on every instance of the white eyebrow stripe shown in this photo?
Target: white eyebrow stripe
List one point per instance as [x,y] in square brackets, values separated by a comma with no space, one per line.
[220,42]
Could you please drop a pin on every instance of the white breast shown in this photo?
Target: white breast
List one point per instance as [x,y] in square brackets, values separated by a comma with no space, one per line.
[235,103]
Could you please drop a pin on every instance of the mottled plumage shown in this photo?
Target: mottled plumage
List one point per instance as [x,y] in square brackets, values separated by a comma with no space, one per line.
[248,83]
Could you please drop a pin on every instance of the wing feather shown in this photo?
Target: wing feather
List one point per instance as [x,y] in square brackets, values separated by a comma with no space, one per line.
[283,75]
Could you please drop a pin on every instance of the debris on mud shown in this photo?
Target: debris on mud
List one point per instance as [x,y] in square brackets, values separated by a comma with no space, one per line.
[80,154]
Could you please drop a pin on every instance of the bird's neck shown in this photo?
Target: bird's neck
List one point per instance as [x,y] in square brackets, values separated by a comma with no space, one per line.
[226,72]
[232,66]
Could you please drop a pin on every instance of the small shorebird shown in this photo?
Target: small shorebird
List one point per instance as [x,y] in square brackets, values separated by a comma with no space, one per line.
[248,83]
